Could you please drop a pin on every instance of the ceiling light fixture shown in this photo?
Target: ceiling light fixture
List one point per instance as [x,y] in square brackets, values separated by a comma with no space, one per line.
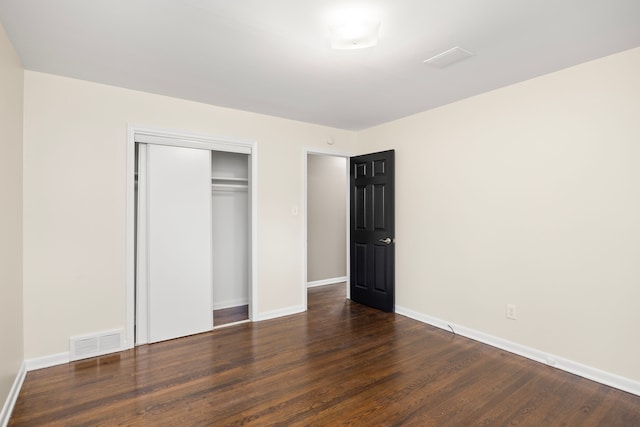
[354,34]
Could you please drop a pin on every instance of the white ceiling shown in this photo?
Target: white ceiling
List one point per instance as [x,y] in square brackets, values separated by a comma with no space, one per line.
[274,56]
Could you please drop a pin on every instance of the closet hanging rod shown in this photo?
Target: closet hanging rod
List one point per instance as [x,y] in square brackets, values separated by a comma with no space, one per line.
[239,186]
[224,178]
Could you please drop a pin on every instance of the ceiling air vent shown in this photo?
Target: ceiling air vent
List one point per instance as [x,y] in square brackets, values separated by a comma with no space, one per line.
[448,57]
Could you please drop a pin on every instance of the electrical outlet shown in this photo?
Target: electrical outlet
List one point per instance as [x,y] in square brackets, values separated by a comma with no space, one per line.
[511,312]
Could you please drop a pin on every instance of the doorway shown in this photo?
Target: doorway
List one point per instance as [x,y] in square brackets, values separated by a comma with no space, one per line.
[370,219]
[230,242]
[229,168]
[326,219]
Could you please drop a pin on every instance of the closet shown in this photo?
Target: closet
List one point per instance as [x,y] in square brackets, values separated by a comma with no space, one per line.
[230,208]
[193,239]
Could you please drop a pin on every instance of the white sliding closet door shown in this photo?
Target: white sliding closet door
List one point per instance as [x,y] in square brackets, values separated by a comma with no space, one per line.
[179,241]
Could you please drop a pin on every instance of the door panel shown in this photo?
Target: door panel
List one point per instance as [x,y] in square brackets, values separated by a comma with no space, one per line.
[179,237]
[360,255]
[379,207]
[359,208]
[372,255]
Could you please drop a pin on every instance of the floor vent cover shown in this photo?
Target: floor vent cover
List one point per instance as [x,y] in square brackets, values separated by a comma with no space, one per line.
[81,347]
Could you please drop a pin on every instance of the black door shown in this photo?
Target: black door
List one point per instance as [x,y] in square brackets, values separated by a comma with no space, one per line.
[372,230]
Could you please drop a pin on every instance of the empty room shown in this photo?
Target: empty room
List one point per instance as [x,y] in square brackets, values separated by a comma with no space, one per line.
[320,212]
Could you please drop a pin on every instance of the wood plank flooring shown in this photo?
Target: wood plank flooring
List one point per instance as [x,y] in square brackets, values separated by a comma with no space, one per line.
[225,316]
[338,364]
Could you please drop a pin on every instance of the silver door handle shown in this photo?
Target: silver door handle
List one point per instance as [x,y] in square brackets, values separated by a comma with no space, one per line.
[386,241]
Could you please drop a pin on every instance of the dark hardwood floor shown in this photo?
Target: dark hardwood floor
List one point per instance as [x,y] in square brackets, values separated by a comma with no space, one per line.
[229,315]
[338,364]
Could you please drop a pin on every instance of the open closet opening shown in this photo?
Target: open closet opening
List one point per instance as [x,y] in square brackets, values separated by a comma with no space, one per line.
[193,247]
[230,220]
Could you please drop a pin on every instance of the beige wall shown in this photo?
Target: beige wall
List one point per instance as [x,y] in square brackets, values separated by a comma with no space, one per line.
[527,195]
[74,200]
[326,217]
[11,78]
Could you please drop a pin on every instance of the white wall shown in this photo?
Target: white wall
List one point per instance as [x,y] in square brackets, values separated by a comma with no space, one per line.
[527,195]
[11,352]
[74,200]
[326,217]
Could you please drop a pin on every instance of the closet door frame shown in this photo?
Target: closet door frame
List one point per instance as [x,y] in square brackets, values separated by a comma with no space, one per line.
[141,134]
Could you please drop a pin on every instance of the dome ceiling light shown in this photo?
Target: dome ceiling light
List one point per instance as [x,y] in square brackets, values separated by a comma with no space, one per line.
[354,34]
[354,26]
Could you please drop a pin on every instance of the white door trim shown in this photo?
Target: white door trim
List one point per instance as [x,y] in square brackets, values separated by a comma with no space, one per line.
[323,152]
[190,140]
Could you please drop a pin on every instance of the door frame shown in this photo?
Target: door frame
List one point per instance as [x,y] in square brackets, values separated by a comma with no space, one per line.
[190,140]
[332,153]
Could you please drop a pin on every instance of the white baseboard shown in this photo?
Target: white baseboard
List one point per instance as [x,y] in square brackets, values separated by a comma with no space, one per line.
[324,282]
[10,402]
[230,303]
[267,315]
[47,361]
[588,372]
